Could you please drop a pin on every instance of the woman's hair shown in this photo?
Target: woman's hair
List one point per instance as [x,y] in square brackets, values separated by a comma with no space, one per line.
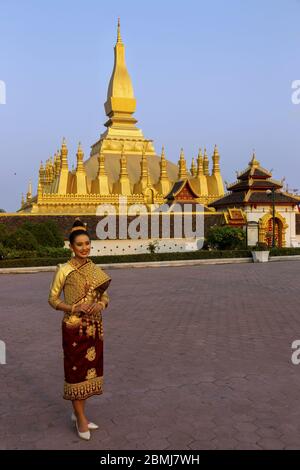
[78,228]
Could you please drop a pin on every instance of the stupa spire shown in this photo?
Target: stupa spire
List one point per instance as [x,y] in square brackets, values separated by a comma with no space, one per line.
[182,166]
[193,169]
[216,161]
[119,39]
[205,164]
[120,94]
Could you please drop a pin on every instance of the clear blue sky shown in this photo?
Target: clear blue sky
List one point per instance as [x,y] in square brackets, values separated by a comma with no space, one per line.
[204,72]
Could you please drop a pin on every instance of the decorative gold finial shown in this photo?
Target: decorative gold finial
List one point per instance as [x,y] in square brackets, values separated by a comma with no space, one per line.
[79,149]
[216,152]
[119,39]
[253,161]
[29,192]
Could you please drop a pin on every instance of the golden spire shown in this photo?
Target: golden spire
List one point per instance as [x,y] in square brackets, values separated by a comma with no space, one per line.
[120,95]
[122,186]
[80,176]
[163,185]
[100,184]
[182,166]
[101,162]
[193,168]
[51,170]
[41,173]
[120,106]
[29,192]
[163,165]
[64,155]
[79,156]
[119,39]
[205,164]
[216,160]
[199,163]
[22,200]
[57,163]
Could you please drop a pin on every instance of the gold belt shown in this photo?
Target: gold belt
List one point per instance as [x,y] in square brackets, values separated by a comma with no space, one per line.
[74,321]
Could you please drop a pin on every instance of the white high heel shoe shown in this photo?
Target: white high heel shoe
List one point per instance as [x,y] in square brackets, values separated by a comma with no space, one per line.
[91,426]
[86,435]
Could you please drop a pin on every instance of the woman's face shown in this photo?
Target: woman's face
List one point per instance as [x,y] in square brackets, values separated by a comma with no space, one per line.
[81,246]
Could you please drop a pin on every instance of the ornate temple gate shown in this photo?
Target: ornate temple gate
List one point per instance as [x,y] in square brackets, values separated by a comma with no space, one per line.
[266,230]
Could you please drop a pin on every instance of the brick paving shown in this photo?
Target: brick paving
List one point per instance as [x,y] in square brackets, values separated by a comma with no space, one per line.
[196,357]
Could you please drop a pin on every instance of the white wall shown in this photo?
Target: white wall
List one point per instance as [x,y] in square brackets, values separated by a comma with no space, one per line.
[126,247]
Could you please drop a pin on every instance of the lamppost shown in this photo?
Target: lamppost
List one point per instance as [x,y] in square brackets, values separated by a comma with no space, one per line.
[272,191]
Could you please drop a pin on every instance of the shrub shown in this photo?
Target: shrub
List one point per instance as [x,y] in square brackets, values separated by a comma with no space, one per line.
[2,251]
[56,232]
[152,246]
[21,239]
[226,238]
[261,246]
[3,233]
[46,233]
[53,252]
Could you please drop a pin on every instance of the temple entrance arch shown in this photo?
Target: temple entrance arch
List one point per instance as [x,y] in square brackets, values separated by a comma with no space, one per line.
[266,229]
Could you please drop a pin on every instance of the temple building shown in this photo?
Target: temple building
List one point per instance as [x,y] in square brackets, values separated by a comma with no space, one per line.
[122,162]
[250,203]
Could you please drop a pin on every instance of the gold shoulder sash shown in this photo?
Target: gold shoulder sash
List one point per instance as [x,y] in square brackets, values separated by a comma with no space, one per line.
[81,282]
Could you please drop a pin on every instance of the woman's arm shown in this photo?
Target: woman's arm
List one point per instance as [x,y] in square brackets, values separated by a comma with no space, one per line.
[55,291]
[105,299]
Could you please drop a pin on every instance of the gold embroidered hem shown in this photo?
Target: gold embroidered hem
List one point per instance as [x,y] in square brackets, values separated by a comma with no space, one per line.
[83,390]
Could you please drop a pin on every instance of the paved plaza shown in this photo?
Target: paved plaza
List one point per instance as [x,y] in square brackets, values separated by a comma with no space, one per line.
[195,357]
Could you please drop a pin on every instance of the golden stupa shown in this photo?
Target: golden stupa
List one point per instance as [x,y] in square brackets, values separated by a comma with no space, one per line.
[121,163]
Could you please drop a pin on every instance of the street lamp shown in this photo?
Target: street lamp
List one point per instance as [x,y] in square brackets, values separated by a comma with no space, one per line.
[272,191]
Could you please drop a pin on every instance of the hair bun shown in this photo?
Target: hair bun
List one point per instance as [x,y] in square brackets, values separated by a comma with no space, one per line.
[78,225]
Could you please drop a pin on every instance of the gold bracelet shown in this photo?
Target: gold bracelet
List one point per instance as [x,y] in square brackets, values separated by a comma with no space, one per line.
[101,302]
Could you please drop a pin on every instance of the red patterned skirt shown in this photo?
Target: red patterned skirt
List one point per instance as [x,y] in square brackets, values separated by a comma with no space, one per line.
[83,358]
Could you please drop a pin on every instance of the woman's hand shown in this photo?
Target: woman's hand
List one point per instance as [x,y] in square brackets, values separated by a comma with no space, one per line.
[96,308]
[78,308]
[88,308]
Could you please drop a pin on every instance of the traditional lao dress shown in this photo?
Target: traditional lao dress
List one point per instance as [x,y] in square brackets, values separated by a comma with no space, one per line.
[82,334]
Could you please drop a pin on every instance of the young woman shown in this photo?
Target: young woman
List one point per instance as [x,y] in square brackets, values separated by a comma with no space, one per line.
[84,285]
